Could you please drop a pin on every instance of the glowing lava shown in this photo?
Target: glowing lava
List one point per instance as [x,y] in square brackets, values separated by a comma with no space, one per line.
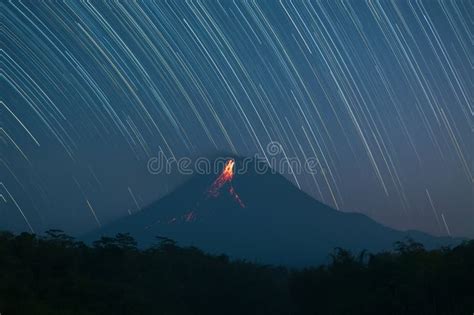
[225,178]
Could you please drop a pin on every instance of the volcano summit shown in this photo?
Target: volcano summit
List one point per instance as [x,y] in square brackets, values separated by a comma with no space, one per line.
[257,216]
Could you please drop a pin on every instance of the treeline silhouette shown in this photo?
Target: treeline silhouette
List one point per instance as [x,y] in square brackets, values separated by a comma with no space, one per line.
[57,275]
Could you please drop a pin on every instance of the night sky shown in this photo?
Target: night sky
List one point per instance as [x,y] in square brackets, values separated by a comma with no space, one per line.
[381,92]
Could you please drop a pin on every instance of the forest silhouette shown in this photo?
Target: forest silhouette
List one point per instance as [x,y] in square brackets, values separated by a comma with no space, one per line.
[56,275]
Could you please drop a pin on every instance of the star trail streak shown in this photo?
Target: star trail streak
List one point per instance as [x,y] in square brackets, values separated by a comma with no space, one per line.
[380,92]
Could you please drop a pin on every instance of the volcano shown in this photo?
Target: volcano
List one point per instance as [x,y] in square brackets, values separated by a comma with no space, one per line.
[257,216]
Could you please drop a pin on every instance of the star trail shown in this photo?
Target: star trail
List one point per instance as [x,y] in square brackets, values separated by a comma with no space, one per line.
[380,92]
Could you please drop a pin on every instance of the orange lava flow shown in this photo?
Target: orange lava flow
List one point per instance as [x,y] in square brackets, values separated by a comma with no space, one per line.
[225,177]
[228,172]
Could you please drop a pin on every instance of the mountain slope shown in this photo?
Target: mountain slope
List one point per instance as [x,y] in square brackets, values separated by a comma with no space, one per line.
[261,217]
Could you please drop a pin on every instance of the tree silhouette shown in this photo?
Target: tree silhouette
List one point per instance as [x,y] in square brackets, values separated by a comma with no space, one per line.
[55,274]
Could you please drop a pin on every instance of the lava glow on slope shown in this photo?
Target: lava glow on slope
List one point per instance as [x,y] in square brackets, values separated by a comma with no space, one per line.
[224,178]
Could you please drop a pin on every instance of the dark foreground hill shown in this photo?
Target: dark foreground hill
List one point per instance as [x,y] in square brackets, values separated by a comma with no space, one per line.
[259,216]
[54,275]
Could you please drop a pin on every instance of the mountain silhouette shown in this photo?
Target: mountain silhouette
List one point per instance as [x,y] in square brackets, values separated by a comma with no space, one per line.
[258,216]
